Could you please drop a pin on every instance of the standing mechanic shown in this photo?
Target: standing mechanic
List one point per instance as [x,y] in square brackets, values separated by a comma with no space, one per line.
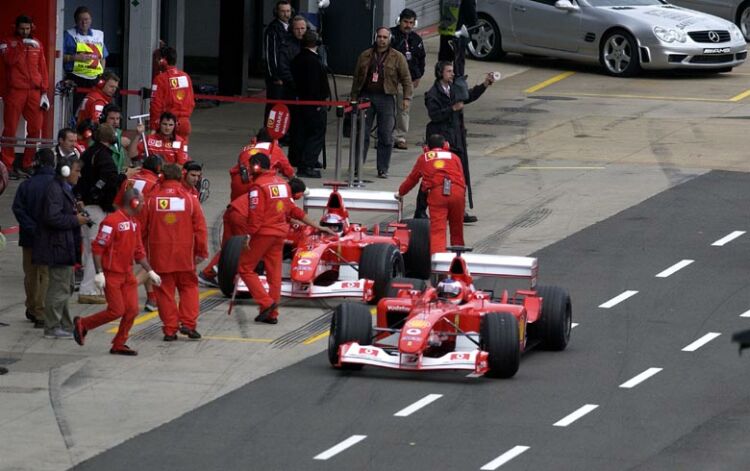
[271,207]
[117,244]
[442,178]
[275,37]
[447,117]
[84,53]
[172,91]
[176,238]
[100,96]
[406,41]
[164,142]
[240,178]
[27,82]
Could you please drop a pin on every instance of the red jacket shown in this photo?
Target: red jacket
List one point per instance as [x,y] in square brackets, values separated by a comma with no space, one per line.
[25,65]
[237,186]
[279,161]
[175,229]
[172,90]
[271,206]
[173,151]
[144,181]
[432,167]
[92,105]
[118,242]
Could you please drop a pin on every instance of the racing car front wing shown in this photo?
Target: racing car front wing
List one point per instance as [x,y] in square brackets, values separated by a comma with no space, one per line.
[352,352]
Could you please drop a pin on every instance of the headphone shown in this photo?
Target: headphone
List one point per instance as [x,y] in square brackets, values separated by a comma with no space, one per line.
[100,83]
[375,36]
[106,110]
[259,162]
[439,66]
[244,172]
[63,167]
[135,202]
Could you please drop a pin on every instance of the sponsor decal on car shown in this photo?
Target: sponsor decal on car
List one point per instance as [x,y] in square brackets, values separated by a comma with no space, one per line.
[460,356]
[418,323]
[717,50]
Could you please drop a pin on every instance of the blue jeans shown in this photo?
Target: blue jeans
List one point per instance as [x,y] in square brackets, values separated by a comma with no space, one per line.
[384,107]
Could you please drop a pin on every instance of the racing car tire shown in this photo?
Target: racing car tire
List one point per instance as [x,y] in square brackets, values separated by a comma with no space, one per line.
[228,264]
[499,337]
[350,322]
[380,263]
[417,259]
[552,329]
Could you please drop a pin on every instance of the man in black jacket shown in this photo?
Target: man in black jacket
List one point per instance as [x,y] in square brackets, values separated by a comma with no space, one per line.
[57,242]
[311,81]
[287,55]
[275,38]
[100,181]
[447,117]
[405,40]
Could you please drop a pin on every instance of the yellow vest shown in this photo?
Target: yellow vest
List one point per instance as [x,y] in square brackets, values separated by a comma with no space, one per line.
[93,44]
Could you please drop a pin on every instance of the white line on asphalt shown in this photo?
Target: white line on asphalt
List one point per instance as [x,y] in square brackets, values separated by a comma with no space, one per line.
[573,325]
[727,239]
[745,314]
[618,299]
[407,411]
[504,458]
[701,342]
[353,440]
[674,268]
[636,380]
[565,421]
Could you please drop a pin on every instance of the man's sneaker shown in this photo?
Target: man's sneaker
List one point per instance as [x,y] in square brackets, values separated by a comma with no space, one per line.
[265,314]
[123,350]
[30,316]
[79,333]
[469,218]
[170,338]
[191,333]
[150,306]
[91,299]
[204,280]
[57,333]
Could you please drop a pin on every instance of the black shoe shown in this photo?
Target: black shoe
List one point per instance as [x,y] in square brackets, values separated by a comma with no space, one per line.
[318,165]
[38,324]
[263,316]
[124,350]
[170,338]
[308,173]
[30,316]
[191,333]
[469,218]
[270,320]
[79,333]
[382,174]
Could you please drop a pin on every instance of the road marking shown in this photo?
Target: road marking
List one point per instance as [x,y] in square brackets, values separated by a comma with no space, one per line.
[741,96]
[334,450]
[745,314]
[237,339]
[315,338]
[636,380]
[573,325]
[618,299]
[148,316]
[504,458]
[644,97]
[701,342]
[548,82]
[407,411]
[728,238]
[674,268]
[564,422]
[532,167]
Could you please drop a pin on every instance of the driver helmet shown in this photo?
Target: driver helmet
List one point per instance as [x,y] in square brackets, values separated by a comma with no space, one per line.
[451,290]
[334,221]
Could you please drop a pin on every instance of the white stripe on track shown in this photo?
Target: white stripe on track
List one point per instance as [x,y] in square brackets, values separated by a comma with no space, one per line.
[565,421]
[726,239]
[573,325]
[618,299]
[504,458]
[407,411]
[701,342]
[334,450]
[674,268]
[745,314]
[636,380]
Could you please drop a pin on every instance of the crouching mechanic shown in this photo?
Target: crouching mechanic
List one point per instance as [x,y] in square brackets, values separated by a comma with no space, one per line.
[176,242]
[270,209]
[117,244]
[442,178]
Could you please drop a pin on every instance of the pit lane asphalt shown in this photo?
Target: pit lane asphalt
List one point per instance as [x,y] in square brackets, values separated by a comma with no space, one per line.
[689,415]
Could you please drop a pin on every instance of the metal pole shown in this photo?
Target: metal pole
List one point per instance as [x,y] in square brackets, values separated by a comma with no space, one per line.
[361,146]
[339,138]
[140,118]
[353,143]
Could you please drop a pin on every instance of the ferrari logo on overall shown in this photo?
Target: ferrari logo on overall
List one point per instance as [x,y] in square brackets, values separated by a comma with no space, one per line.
[279,191]
[173,82]
[163,203]
[430,155]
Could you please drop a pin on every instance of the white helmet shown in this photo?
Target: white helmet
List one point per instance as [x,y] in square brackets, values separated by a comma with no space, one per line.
[451,290]
[334,221]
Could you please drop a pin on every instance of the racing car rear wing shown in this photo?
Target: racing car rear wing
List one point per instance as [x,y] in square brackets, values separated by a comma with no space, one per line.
[489,265]
[357,200]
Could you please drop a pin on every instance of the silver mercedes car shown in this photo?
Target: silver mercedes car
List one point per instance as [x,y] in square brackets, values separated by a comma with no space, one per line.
[624,36]
[736,11]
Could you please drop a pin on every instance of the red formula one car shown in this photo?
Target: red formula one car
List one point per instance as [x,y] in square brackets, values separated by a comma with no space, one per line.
[454,326]
[359,261]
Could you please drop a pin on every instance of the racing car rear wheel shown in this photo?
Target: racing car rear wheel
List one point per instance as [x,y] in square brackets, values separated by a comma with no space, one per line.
[552,329]
[381,263]
[351,322]
[499,337]
[417,257]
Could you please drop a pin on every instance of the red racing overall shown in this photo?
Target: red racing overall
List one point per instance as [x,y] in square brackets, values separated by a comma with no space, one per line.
[93,105]
[279,163]
[172,91]
[173,151]
[235,223]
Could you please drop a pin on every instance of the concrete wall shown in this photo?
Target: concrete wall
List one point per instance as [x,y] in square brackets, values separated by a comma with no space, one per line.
[202,28]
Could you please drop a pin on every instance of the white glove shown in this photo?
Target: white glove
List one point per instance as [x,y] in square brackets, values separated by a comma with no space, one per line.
[397,196]
[44,102]
[99,281]
[31,42]
[154,277]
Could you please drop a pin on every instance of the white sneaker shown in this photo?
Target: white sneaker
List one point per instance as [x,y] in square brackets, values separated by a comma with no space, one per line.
[150,306]
[203,280]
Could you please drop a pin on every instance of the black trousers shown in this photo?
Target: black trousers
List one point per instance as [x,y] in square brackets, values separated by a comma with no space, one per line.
[310,134]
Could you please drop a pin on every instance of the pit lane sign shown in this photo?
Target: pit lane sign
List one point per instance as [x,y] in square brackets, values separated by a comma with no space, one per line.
[278,121]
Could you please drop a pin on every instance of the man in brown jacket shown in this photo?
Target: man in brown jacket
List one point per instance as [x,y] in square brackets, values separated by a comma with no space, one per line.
[379,71]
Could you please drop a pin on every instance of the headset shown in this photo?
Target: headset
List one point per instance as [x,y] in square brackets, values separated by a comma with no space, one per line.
[100,82]
[259,162]
[63,167]
[244,172]
[375,36]
[108,108]
[439,66]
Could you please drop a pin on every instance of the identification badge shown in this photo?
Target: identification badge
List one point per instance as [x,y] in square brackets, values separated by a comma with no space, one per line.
[446,187]
[408,55]
[375,76]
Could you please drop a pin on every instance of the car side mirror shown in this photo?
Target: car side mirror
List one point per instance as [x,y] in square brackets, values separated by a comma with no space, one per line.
[566,5]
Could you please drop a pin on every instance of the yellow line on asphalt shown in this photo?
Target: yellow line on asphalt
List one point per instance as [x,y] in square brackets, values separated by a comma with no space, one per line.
[150,315]
[237,339]
[549,82]
[529,167]
[644,97]
[741,96]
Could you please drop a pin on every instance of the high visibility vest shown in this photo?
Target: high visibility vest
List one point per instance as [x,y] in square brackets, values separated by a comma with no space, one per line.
[88,44]
[448,17]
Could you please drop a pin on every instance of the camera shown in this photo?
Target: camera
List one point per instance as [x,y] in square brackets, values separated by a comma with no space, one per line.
[86,214]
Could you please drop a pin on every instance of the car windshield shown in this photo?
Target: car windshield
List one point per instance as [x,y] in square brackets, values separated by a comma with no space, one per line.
[624,3]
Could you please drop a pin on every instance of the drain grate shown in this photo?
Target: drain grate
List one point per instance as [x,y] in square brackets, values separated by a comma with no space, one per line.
[154,329]
[315,327]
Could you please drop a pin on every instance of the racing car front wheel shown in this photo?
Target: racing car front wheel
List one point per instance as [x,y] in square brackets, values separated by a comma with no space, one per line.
[552,329]
[351,322]
[499,337]
[380,263]
[229,264]
[417,260]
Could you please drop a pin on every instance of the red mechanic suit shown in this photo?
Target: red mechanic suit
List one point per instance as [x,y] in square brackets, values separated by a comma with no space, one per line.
[119,244]
[445,200]
[26,79]
[145,181]
[172,91]
[235,223]
[173,151]
[279,162]
[175,233]
[271,208]
[92,105]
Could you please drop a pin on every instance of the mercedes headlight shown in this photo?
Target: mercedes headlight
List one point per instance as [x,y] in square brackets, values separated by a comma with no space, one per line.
[736,32]
[670,35]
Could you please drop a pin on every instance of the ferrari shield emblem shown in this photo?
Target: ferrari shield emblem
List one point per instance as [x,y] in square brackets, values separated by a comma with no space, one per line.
[163,203]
